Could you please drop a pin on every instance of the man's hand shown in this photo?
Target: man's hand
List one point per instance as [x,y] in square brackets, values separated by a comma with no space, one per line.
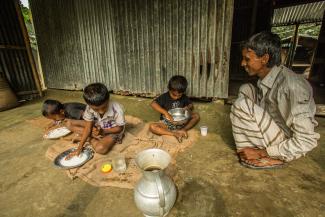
[252,153]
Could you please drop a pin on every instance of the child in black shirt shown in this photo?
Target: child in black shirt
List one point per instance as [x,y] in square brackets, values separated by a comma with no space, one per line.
[174,98]
[59,112]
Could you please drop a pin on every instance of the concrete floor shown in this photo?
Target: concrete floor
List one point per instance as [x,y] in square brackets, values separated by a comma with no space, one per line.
[214,183]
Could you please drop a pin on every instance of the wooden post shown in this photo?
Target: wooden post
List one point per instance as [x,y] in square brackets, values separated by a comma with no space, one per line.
[28,48]
[253,18]
[39,64]
[293,48]
[318,63]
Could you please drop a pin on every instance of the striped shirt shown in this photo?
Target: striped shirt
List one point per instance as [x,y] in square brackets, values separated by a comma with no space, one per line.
[288,99]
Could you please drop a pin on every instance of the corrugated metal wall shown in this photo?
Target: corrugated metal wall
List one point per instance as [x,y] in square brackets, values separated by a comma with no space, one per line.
[14,62]
[135,45]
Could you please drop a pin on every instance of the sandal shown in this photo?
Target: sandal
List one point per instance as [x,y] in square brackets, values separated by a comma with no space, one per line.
[263,161]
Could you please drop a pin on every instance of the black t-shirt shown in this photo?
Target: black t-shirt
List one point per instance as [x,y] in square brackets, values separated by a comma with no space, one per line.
[166,102]
[74,110]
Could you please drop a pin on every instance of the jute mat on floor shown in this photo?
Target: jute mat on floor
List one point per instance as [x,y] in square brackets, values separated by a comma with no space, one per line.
[137,138]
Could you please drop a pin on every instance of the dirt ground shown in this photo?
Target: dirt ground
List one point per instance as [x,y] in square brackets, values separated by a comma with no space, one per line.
[213,183]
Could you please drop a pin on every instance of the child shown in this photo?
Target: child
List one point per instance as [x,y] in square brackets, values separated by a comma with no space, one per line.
[174,98]
[58,112]
[107,116]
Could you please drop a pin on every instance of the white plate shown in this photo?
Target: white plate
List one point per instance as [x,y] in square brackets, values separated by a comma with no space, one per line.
[75,161]
[57,133]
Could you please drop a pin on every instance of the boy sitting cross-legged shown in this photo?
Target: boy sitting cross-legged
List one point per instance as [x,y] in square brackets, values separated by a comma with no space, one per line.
[174,98]
[102,117]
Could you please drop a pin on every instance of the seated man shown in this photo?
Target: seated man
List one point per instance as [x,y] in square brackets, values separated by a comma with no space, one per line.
[273,123]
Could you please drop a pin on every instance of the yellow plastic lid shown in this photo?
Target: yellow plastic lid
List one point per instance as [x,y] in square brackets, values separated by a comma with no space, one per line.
[106,168]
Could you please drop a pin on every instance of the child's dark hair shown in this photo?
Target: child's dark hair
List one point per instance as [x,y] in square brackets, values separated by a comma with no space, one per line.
[265,43]
[51,107]
[177,83]
[96,94]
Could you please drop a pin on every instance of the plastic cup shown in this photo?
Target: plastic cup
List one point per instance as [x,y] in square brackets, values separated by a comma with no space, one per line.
[119,164]
[204,130]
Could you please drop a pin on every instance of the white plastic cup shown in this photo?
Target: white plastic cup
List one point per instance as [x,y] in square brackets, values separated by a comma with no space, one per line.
[204,130]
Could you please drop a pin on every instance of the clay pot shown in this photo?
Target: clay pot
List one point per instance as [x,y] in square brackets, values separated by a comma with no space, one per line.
[7,97]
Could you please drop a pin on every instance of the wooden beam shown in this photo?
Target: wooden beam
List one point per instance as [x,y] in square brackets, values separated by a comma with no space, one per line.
[28,48]
[290,3]
[13,47]
[26,92]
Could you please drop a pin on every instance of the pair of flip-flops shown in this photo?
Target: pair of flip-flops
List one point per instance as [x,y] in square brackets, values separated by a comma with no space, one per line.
[262,160]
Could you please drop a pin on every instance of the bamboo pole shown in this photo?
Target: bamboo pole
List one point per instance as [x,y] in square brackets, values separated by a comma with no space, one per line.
[28,48]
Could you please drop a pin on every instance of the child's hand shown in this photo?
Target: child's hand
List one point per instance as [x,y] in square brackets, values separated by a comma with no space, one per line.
[63,122]
[189,109]
[74,153]
[49,126]
[96,131]
[169,117]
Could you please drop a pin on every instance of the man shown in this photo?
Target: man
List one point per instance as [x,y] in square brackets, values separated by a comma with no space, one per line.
[273,123]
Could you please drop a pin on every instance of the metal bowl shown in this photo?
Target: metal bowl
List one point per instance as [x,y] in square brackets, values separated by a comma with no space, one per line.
[180,116]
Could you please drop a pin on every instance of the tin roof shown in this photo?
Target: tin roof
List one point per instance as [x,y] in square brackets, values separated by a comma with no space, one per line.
[305,13]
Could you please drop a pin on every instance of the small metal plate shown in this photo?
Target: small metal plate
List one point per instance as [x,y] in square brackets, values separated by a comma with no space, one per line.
[57,133]
[85,156]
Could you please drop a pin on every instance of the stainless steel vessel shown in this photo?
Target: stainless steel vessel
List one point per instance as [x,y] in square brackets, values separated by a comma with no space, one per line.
[181,116]
[155,193]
